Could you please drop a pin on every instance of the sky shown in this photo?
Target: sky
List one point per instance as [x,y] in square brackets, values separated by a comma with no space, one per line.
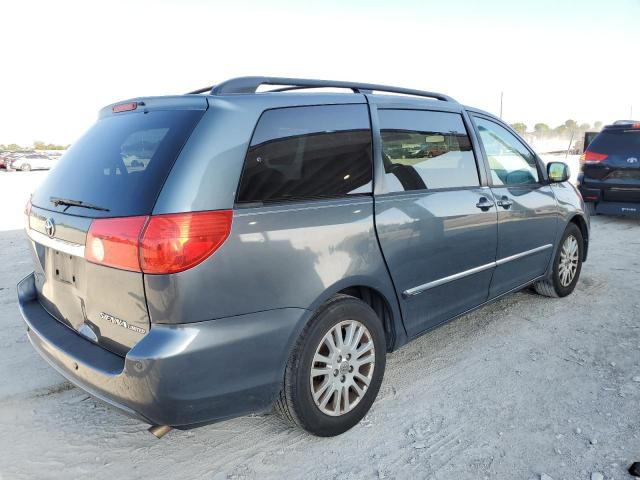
[63,60]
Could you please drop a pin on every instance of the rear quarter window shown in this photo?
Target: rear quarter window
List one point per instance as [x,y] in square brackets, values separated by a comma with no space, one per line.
[313,152]
[120,163]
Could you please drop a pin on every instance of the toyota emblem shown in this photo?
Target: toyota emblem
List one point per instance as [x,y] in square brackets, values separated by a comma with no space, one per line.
[50,227]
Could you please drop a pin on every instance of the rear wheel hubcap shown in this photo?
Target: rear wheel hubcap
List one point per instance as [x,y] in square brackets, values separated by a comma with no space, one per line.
[342,368]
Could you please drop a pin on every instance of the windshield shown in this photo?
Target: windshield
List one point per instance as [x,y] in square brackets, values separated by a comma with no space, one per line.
[119,164]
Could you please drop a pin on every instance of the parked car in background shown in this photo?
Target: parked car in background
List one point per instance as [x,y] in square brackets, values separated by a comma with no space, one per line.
[32,161]
[4,159]
[200,257]
[8,157]
[609,180]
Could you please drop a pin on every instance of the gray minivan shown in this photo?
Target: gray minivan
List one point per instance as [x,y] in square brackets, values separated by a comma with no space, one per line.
[204,256]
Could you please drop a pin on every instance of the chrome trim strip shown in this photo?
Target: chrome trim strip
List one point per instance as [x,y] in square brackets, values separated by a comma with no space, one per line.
[246,211]
[436,283]
[502,261]
[63,246]
[441,281]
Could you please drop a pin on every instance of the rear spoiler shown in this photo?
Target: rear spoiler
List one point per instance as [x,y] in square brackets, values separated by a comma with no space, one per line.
[145,104]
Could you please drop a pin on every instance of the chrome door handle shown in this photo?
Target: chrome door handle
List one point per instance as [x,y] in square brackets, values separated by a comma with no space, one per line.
[504,202]
[484,204]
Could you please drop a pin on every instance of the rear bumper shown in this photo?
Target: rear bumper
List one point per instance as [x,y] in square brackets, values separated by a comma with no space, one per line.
[178,375]
[611,199]
[609,191]
[589,193]
[618,208]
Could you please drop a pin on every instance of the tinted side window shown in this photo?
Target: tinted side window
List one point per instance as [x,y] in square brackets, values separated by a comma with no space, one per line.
[308,152]
[510,161]
[426,150]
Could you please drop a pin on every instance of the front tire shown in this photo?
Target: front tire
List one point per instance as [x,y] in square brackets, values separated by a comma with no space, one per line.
[566,265]
[335,370]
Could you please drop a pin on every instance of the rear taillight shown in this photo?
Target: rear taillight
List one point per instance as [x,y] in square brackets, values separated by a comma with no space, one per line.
[114,242]
[177,242]
[592,157]
[157,244]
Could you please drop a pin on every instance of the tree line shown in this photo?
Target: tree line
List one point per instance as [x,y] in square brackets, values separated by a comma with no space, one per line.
[566,130]
[37,145]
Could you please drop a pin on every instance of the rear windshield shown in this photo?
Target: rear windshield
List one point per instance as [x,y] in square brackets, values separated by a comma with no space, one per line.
[619,142]
[120,164]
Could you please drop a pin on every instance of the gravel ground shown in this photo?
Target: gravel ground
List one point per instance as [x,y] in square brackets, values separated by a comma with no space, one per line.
[526,387]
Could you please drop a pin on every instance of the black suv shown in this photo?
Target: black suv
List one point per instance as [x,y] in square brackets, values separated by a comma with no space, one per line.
[610,176]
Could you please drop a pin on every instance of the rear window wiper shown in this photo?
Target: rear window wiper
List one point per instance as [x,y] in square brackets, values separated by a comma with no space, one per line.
[75,203]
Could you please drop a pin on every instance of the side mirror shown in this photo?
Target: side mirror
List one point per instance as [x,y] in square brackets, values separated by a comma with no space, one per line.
[558,172]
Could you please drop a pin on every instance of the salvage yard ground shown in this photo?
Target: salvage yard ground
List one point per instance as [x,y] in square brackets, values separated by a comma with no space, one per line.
[526,386]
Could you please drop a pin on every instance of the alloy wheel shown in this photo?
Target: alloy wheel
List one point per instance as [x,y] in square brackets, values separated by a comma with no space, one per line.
[568,265]
[342,368]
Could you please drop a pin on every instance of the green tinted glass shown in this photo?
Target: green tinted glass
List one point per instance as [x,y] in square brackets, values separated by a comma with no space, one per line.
[558,172]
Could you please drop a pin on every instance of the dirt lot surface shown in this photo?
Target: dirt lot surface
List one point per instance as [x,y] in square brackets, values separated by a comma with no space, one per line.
[525,387]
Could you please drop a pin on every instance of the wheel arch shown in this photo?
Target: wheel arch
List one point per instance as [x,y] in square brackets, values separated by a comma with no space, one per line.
[382,300]
[380,305]
[581,223]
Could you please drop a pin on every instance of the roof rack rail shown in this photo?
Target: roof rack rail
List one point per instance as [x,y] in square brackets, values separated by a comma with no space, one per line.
[247,85]
[625,122]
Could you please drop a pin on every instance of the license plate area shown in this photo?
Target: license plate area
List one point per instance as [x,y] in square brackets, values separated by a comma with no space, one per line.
[64,267]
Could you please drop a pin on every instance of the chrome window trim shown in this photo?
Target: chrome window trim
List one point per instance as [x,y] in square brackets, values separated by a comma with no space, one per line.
[456,276]
[63,246]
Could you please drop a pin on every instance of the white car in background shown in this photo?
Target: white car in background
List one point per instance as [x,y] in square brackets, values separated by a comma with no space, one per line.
[32,161]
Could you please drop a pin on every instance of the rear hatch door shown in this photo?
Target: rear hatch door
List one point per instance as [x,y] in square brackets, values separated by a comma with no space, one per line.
[116,169]
[618,173]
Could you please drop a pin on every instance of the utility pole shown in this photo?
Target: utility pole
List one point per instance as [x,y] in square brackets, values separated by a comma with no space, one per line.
[501,95]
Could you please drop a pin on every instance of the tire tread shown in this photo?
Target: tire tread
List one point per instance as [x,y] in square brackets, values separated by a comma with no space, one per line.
[545,288]
[284,405]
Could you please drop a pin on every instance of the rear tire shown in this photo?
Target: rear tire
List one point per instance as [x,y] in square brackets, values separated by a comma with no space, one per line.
[25,168]
[314,391]
[591,208]
[567,265]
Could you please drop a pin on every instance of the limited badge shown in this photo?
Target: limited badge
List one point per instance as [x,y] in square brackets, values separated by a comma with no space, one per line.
[121,323]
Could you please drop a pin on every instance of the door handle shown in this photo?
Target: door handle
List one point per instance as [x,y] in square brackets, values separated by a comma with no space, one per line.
[484,204]
[504,202]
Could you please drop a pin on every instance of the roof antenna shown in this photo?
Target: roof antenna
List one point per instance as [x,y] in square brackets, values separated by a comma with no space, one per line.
[566,155]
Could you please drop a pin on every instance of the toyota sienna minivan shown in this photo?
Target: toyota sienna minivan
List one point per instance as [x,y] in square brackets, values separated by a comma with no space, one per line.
[203,256]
